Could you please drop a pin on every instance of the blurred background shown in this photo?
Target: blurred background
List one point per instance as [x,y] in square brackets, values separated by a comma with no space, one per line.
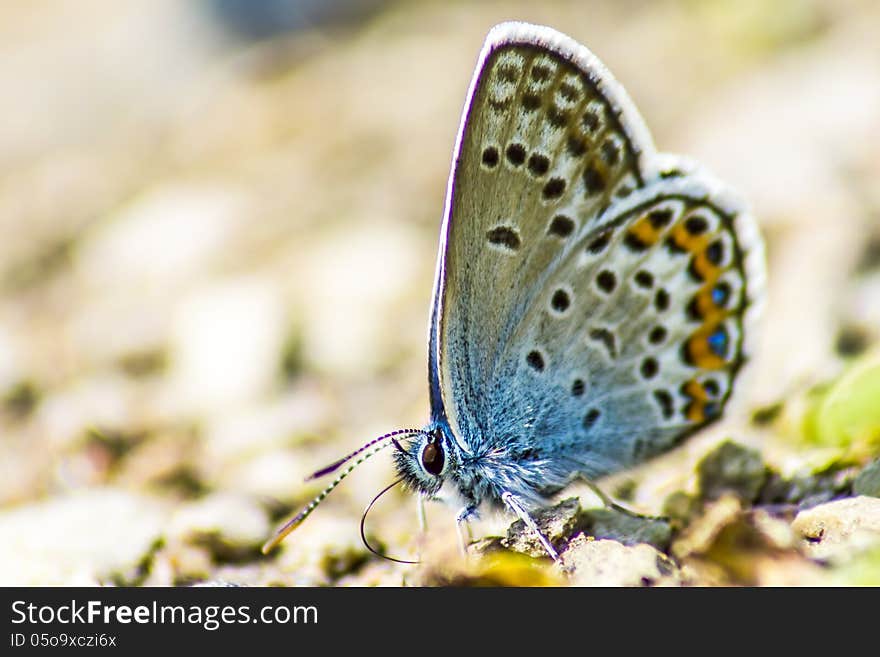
[218,232]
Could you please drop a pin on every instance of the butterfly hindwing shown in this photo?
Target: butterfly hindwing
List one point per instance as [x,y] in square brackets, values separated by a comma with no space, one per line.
[637,349]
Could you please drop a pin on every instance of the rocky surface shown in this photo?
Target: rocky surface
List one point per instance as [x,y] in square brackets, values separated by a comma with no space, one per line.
[839,529]
[590,562]
[731,468]
[868,480]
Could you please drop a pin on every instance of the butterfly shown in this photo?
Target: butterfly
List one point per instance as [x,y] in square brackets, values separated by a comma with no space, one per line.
[594,299]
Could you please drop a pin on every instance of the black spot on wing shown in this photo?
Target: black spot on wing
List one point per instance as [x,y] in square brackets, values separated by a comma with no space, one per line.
[505,237]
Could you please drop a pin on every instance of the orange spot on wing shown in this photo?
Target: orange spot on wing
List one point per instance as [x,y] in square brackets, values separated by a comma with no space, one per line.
[695,411]
[697,246]
[684,240]
[705,305]
[694,390]
[700,353]
[645,231]
[704,267]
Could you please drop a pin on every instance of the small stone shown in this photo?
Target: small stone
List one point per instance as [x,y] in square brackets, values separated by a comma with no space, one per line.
[589,562]
[779,490]
[626,528]
[699,536]
[730,545]
[486,545]
[807,489]
[559,523]
[840,528]
[556,524]
[868,480]
[731,468]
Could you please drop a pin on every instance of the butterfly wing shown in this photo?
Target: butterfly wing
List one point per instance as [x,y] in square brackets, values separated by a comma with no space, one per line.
[591,295]
[497,175]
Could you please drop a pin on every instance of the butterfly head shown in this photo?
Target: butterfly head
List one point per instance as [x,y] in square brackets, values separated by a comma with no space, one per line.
[428,460]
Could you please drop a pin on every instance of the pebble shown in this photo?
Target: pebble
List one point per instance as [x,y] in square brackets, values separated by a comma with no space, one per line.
[839,529]
[559,523]
[589,562]
[867,482]
[556,524]
[731,468]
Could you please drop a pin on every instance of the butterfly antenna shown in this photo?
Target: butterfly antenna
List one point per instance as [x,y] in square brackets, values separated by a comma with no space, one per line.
[377,445]
[364,520]
[336,464]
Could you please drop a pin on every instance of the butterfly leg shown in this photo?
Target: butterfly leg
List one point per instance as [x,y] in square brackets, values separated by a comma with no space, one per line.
[516,506]
[462,523]
[423,518]
[423,524]
[608,502]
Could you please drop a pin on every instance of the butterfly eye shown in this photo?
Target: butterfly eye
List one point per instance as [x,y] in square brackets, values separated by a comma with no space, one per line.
[433,458]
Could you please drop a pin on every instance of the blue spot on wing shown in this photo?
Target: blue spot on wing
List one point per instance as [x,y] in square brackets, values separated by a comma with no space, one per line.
[720,295]
[718,342]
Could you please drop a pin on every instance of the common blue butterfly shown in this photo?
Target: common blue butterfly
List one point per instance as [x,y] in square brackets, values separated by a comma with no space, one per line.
[593,302]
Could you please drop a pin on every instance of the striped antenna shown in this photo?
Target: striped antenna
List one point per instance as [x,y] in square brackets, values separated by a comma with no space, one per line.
[377,445]
[333,466]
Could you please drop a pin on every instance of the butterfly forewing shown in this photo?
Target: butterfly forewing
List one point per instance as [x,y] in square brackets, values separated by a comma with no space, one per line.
[589,299]
[543,150]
